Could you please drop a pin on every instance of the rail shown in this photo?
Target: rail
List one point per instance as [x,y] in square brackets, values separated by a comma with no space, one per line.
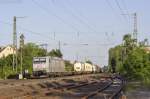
[99,90]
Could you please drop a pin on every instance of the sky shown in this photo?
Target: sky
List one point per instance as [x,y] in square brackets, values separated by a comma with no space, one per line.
[86,29]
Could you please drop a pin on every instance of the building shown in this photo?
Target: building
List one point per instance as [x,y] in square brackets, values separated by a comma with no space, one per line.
[147,49]
[5,51]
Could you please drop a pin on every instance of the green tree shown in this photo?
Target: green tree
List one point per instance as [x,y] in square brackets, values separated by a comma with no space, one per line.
[127,40]
[31,50]
[115,58]
[55,53]
[137,65]
[131,60]
[88,61]
[6,66]
[68,66]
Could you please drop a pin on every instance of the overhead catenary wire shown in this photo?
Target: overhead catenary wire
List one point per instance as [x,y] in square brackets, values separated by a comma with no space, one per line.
[41,34]
[55,15]
[115,15]
[85,23]
[119,16]
[27,30]
[80,13]
[111,7]
[121,10]
[47,37]
[126,11]
[125,6]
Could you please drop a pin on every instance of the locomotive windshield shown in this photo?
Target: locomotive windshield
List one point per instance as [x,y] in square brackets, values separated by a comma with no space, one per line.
[39,60]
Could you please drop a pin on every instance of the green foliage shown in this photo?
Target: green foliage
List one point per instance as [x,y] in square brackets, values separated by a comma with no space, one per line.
[115,58]
[55,53]
[130,60]
[88,61]
[30,50]
[138,65]
[68,66]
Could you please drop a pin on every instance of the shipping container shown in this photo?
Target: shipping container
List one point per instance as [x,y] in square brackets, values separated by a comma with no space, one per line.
[78,67]
[88,67]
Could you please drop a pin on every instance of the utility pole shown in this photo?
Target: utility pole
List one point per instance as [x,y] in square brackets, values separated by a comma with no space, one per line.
[21,49]
[135,30]
[15,51]
[135,27]
[14,44]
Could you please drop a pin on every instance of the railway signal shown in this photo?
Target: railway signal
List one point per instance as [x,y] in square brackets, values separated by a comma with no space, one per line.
[21,49]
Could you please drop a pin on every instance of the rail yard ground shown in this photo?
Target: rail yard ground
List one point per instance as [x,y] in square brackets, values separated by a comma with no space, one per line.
[137,90]
[89,86]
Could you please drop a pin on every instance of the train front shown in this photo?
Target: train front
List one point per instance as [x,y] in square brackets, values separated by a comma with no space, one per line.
[39,66]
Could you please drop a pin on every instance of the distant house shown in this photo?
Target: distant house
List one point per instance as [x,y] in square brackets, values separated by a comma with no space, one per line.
[147,49]
[5,51]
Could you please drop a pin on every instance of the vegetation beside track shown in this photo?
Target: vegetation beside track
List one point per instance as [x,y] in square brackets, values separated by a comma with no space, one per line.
[131,59]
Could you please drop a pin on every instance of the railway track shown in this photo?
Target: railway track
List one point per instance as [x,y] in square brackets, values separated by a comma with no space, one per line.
[92,87]
[108,89]
[97,91]
[106,92]
[15,83]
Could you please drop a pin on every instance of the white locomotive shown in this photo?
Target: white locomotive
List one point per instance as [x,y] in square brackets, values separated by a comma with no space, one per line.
[48,65]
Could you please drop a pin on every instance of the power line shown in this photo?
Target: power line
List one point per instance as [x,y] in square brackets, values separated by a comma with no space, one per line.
[79,13]
[113,10]
[87,44]
[55,15]
[121,10]
[30,31]
[125,6]
[41,34]
[47,37]
[27,30]
[127,12]
[78,18]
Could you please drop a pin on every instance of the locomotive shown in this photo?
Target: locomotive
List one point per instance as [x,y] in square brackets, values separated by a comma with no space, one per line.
[48,65]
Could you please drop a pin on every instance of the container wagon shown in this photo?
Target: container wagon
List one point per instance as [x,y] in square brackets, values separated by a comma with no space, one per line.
[88,67]
[78,67]
[48,65]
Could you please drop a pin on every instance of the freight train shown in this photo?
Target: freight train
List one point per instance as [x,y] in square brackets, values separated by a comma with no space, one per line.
[54,66]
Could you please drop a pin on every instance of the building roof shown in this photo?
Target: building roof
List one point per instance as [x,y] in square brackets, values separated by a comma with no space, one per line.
[2,47]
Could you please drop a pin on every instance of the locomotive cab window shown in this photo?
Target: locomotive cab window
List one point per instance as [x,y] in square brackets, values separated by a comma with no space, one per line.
[40,60]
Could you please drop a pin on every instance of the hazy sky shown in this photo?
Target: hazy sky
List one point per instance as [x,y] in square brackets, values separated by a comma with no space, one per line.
[86,28]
